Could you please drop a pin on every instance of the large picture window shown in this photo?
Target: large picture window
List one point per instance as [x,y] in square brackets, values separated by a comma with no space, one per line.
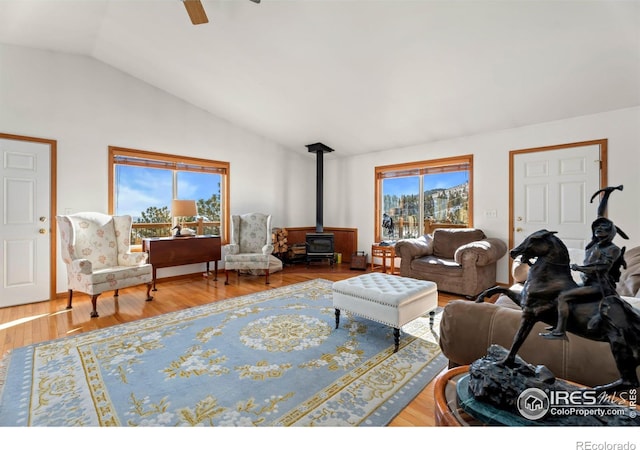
[143,184]
[413,199]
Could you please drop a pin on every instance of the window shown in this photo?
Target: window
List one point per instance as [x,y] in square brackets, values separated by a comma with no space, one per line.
[413,199]
[142,185]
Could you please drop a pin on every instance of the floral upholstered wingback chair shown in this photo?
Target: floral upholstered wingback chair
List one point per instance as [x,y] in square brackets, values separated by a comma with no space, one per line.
[251,244]
[96,250]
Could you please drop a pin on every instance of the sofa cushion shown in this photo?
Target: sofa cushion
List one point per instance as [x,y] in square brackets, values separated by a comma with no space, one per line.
[409,249]
[506,302]
[97,241]
[447,240]
[520,270]
[436,266]
[629,284]
[252,231]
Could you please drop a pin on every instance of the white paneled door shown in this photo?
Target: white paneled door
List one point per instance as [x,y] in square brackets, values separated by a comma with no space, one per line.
[26,225]
[552,190]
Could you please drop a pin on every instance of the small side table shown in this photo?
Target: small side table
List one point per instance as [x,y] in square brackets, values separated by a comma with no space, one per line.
[384,252]
[447,411]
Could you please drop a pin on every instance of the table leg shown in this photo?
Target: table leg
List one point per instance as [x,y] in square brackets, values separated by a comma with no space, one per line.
[396,339]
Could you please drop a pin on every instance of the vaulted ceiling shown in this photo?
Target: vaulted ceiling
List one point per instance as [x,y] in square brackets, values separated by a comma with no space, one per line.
[358,75]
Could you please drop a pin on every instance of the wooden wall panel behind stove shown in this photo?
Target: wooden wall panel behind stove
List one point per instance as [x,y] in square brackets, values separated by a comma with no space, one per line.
[345,240]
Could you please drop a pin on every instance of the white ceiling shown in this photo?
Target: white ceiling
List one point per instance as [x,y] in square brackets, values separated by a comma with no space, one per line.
[358,75]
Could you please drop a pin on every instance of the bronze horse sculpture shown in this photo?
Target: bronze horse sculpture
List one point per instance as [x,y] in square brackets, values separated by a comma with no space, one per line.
[549,275]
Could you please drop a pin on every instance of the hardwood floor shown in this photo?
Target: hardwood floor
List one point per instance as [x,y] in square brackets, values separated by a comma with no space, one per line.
[37,322]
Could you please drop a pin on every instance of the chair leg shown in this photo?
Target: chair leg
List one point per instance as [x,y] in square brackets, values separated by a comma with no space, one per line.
[115,294]
[226,274]
[70,298]
[149,296]
[94,302]
[266,281]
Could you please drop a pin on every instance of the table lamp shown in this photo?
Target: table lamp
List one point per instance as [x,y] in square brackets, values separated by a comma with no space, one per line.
[181,209]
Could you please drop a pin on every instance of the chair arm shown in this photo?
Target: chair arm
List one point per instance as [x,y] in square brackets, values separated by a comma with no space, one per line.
[133,258]
[231,249]
[414,248]
[484,252]
[267,249]
[81,266]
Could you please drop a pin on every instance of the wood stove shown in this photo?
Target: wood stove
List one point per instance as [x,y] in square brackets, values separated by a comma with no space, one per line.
[320,245]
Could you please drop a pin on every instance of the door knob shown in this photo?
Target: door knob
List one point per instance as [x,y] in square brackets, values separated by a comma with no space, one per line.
[519,229]
[42,231]
[43,219]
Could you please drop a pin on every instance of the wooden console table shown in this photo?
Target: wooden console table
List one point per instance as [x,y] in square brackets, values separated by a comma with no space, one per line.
[178,251]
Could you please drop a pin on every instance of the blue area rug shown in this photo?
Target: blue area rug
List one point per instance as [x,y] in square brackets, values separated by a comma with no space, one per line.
[266,359]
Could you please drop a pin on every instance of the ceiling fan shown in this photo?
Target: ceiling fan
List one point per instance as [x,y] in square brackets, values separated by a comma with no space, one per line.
[196,11]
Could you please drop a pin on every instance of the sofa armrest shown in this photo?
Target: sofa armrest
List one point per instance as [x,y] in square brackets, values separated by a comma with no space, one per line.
[410,249]
[484,252]
[467,330]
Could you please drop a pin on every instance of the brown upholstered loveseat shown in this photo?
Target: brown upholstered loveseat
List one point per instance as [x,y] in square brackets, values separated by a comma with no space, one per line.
[459,260]
[467,329]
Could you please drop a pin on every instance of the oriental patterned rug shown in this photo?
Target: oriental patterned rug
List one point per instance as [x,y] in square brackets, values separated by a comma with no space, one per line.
[266,359]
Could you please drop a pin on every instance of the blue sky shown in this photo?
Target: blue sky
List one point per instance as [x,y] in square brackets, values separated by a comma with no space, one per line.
[141,187]
[409,185]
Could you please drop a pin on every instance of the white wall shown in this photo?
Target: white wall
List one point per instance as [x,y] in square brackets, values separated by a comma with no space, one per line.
[349,182]
[86,106]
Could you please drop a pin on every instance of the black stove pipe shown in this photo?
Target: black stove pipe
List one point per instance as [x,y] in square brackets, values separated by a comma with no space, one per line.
[319,149]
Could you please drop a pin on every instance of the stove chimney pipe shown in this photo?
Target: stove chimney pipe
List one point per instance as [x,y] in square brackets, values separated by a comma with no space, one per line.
[319,149]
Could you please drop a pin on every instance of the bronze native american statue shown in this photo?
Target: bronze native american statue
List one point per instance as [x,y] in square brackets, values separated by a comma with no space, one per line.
[594,310]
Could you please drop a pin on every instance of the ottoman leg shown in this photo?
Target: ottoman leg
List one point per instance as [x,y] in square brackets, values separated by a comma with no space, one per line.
[432,316]
[396,339]
[337,318]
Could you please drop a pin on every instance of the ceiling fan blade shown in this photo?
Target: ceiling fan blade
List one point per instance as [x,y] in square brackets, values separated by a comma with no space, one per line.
[255,1]
[195,11]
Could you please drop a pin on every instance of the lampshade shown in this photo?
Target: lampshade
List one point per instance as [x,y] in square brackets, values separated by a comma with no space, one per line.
[184,208]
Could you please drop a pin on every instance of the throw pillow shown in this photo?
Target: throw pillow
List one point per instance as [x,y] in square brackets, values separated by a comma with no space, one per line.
[447,240]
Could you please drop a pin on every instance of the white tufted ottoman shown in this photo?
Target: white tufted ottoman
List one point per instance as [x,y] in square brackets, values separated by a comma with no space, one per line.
[388,299]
